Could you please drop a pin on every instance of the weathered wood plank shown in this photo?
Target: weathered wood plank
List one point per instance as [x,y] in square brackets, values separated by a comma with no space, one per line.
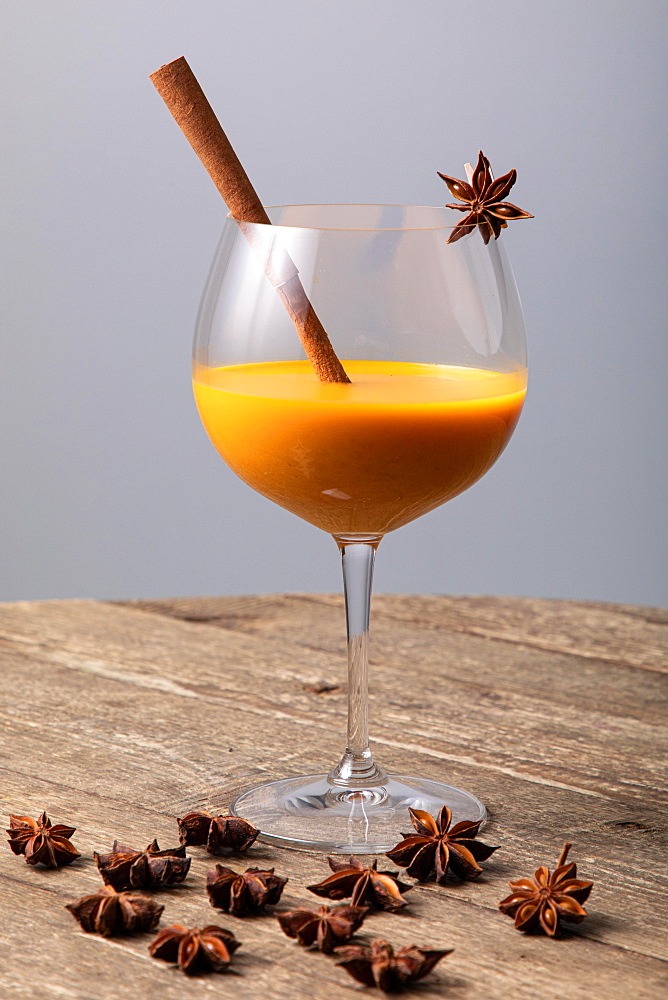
[541,713]
[118,717]
[625,633]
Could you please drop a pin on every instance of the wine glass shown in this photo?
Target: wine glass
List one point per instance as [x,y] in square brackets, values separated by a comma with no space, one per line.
[432,338]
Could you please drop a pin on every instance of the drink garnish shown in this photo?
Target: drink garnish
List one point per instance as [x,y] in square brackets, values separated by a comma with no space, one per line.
[40,842]
[436,848]
[193,950]
[216,833]
[483,201]
[379,965]
[125,867]
[541,903]
[325,927]
[177,85]
[108,912]
[241,893]
[366,885]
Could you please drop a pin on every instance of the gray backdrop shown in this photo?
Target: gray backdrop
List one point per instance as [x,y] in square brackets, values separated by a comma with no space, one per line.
[110,487]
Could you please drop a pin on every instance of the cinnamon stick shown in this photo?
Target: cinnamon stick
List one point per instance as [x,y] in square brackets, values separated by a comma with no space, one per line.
[185,99]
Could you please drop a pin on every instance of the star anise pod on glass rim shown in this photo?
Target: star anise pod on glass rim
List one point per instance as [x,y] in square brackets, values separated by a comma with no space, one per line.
[366,886]
[436,849]
[242,893]
[379,965]
[542,902]
[41,842]
[195,950]
[483,201]
[326,927]
[125,867]
[108,912]
[217,833]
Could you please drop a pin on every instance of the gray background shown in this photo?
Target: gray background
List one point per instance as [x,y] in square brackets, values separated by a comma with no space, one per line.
[109,485]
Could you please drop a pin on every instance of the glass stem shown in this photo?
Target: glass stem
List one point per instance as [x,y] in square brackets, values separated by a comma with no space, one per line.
[357,768]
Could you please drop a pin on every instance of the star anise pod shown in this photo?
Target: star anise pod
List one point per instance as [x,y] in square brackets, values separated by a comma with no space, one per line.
[326,927]
[542,902]
[379,965]
[108,912]
[41,842]
[195,950]
[483,201]
[366,886]
[436,849]
[241,893]
[125,868]
[218,833]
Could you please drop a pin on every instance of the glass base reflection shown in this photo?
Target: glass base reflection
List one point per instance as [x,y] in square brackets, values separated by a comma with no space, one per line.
[309,813]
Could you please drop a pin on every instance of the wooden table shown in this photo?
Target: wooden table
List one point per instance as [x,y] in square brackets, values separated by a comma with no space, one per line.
[117,717]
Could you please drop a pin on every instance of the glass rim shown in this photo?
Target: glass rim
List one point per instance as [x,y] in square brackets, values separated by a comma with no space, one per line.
[355,229]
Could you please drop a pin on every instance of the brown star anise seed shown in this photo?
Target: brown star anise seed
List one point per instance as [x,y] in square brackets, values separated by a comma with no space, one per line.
[379,965]
[220,834]
[195,950]
[241,893]
[366,886]
[542,902]
[326,927]
[125,868]
[436,849]
[483,201]
[194,828]
[108,912]
[41,842]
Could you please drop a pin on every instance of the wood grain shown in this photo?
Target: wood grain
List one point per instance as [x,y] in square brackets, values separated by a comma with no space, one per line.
[119,717]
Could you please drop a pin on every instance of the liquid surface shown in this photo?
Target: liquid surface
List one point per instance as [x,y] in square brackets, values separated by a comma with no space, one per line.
[365,457]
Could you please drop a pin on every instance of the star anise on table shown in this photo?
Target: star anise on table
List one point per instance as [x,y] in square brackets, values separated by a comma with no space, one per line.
[367,886]
[379,965]
[436,849]
[193,950]
[483,201]
[326,927]
[217,833]
[539,904]
[125,868]
[41,842]
[243,893]
[108,912]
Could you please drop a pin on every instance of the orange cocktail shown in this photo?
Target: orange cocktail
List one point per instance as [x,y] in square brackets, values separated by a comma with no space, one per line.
[364,457]
[430,333]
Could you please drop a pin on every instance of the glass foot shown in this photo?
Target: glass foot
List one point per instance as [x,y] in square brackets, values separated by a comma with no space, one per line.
[309,813]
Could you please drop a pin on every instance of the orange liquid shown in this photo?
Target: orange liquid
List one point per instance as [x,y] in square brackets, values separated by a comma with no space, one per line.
[366,457]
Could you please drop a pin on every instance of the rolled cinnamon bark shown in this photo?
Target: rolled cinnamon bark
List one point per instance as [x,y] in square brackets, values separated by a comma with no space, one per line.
[185,99]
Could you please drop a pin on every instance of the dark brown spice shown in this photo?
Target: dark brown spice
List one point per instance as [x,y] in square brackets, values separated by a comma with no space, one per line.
[436,848]
[366,886]
[325,927]
[483,201]
[193,950]
[379,965]
[109,913]
[219,834]
[243,893]
[41,842]
[126,868]
[541,903]
[194,828]
[185,99]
